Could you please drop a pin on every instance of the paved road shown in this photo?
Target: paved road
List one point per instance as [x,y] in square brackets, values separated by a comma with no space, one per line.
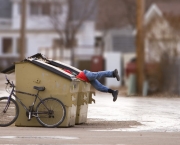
[128,121]
[84,135]
[155,114]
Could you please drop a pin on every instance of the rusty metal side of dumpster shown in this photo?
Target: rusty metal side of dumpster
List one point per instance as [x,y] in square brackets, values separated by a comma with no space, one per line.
[91,93]
[82,102]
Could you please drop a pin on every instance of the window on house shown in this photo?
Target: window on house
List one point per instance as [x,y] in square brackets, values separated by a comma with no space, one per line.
[123,43]
[7,45]
[57,43]
[46,8]
[56,8]
[34,8]
[98,42]
[37,8]
[19,8]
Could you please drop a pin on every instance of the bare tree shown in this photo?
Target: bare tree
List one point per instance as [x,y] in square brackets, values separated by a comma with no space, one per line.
[68,22]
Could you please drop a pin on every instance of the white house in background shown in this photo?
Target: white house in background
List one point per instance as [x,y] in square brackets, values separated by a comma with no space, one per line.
[162,46]
[160,33]
[40,34]
[123,40]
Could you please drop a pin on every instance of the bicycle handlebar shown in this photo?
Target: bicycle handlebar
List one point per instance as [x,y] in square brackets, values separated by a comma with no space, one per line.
[9,83]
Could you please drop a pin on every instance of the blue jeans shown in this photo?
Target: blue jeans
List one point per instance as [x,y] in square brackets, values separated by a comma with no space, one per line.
[93,78]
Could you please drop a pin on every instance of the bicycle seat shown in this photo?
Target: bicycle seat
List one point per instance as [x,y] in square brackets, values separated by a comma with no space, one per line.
[39,88]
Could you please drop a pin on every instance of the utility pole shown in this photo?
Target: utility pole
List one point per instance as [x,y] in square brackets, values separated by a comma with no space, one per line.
[22,30]
[140,45]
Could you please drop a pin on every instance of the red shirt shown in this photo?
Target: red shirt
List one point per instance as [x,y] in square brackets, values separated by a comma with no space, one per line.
[82,76]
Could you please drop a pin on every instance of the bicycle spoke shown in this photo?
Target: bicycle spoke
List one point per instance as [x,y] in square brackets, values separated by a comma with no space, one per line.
[56,112]
[8,116]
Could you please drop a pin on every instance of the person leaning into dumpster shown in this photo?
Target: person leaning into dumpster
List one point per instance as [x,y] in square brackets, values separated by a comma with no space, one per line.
[93,77]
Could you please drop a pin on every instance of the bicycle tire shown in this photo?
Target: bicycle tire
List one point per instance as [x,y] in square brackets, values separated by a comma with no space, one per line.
[9,117]
[57,109]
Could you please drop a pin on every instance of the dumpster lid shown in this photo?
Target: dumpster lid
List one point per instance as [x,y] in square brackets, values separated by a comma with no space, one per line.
[49,64]
[53,69]
[11,68]
[44,65]
[64,66]
[55,63]
[38,56]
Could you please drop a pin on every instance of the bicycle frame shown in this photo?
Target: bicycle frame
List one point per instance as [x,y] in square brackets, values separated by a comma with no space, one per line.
[49,112]
[24,106]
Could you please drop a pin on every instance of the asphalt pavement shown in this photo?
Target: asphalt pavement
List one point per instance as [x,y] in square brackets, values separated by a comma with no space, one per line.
[128,121]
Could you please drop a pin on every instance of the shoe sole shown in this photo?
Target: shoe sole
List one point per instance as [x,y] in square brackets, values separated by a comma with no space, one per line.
[116,75]
[115,98]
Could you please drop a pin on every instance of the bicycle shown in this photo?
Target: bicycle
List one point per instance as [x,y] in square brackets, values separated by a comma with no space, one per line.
[49,112]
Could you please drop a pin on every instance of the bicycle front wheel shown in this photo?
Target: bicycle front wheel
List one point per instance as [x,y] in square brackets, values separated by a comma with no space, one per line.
[9,111]
[50,112]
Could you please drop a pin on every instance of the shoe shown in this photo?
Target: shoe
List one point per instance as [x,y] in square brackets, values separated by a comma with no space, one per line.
[115,95]
[116,75]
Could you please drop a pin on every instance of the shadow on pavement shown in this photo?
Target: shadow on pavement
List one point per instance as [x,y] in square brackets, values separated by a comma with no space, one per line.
[94,123]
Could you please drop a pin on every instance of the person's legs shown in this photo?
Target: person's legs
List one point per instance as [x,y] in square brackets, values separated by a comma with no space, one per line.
[98,75]
[114,94]
[97,85]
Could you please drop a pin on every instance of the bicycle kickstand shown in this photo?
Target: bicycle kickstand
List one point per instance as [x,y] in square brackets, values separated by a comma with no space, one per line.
[30,112]
[29,118]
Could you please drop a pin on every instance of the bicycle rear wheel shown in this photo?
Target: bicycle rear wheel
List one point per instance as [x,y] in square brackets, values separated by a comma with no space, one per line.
[50,112]
[9,115]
